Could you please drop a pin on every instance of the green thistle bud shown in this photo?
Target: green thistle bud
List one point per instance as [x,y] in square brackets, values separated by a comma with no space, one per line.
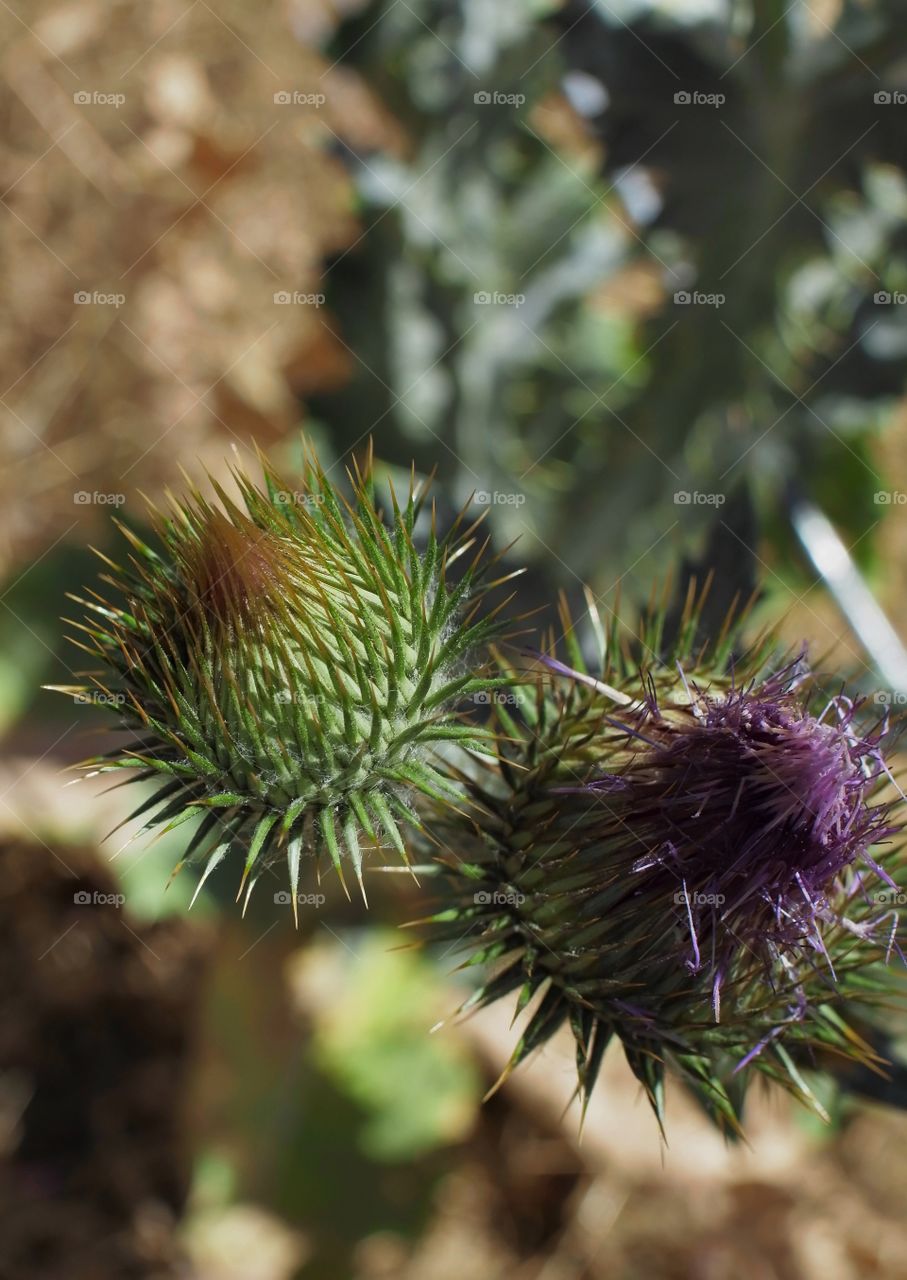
[675,854]
[290,666]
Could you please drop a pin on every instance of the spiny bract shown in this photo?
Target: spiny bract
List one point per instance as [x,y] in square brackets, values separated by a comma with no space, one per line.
[676,852]
[290,665]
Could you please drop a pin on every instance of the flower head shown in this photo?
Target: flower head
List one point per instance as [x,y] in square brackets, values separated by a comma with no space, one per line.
[289,664]
[749,807]
[679,851]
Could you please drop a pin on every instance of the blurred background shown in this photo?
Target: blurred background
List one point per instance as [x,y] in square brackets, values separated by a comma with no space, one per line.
[630,277]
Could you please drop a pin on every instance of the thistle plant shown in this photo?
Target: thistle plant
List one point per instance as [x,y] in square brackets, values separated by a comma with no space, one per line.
[690,847]
[288,665]
[685,849]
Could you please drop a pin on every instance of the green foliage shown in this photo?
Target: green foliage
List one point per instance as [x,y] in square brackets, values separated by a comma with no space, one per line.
[372,1035]
[785,199]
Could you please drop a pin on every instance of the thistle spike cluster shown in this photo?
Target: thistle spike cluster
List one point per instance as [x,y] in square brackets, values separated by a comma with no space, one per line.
[674,853]
[682,846]
[290,664]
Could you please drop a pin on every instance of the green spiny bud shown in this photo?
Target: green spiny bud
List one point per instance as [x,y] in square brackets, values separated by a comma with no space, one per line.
[290,665]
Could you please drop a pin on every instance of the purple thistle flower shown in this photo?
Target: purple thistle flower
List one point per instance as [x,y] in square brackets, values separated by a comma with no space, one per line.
[689,850]
[750,809]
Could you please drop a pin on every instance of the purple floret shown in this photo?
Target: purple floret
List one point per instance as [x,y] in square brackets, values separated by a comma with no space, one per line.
[748,812]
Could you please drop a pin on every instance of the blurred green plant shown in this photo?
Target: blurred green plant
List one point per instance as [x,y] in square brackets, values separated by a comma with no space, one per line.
[707,305]
[372,1005]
